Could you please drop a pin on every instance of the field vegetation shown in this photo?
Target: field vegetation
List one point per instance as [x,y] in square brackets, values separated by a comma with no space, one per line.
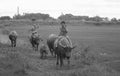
[97,52]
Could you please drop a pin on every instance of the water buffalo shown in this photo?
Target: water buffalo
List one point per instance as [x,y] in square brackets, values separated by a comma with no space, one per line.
[13,38]
[35,42]
[50,42]
[62,53]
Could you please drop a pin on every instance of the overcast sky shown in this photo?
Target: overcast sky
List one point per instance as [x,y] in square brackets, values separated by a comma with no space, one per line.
[103,8]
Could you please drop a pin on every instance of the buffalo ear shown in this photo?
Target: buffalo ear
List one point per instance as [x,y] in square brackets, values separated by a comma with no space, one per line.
[74,46]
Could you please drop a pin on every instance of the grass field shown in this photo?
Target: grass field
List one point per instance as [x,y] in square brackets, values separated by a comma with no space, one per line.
[103,52]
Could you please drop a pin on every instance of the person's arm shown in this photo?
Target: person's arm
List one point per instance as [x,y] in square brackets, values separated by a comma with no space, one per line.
[65,29]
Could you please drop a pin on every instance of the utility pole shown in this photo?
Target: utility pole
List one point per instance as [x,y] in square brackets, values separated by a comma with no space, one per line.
[18,10]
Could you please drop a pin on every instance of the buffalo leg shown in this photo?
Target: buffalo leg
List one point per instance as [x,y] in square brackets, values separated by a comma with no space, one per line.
[45,54]
[33,45]
[15,43]
[55,54]
[41,55]
[51,52]
[68,61]
[57,63]
[12,43]
[37,47]
[61,61]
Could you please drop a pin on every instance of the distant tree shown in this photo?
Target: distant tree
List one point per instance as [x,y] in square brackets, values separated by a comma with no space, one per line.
[5,18]
[119,20]
[32,16]
[105,19]
[114,20]
[17,16]
[65,17]
[97,19]
[72,17]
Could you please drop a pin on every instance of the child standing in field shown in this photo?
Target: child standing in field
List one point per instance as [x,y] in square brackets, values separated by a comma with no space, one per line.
[43,50]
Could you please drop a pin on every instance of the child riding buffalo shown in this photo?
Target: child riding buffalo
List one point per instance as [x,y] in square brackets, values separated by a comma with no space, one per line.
[63,35]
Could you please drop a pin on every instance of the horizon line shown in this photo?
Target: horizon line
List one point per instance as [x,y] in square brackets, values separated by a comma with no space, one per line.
[58,15]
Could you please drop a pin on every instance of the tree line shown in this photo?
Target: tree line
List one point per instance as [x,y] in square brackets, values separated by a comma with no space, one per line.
[40,16]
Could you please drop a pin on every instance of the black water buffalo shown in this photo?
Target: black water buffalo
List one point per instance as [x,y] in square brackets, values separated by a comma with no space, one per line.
[50,42]
[35,42]
[60,51]
[13,38]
